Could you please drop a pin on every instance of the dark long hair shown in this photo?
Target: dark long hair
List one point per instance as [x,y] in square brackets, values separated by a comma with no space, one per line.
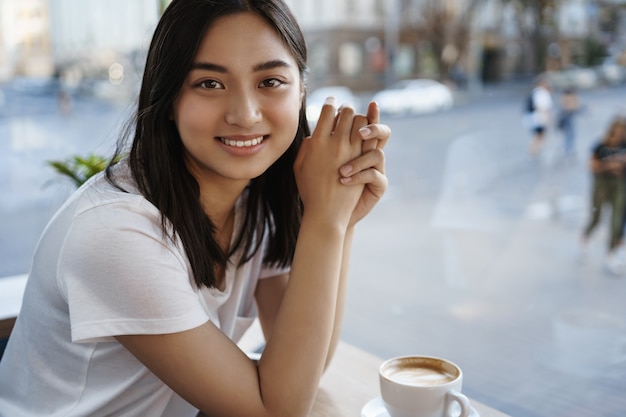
[156,153]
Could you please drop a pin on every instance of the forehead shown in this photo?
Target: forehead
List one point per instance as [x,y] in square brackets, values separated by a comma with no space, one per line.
[242,39]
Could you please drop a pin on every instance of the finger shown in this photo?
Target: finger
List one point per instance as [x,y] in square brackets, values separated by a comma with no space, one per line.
[345,118]
[374,180]
[339,110]
[373,159]
[373,113]
[373,117]
[326,121]
[377,133]
[359,122]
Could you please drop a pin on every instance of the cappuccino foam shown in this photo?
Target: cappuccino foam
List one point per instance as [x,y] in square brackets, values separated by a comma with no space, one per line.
[420,375]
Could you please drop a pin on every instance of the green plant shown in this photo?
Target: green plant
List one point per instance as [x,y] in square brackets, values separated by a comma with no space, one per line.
[80,168]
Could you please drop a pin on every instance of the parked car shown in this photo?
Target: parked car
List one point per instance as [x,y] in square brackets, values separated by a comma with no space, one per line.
[574,76]
[414,97]
[611,72]
[315,100]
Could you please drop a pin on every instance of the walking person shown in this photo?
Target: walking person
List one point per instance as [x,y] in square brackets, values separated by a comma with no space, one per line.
[540,106]
[223,208]
[570,106]
[608,166]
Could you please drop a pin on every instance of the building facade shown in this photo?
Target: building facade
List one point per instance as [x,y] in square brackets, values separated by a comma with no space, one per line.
[362,44]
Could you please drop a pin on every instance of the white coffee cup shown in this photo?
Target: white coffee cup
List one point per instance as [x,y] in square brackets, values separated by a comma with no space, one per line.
[422,386]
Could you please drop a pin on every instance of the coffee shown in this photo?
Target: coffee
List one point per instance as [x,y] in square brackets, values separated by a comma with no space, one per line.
[420,375]
[422,386]
[420,371]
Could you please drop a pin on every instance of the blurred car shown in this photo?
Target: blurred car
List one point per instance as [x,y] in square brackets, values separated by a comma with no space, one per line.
[574,76]
[611,72]
[315,100]
[418,96]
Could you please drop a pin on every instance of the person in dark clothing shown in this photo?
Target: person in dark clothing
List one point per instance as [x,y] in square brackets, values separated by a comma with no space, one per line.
[608,166]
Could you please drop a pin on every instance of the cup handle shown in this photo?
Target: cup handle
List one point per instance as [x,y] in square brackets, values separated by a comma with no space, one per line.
[455,396]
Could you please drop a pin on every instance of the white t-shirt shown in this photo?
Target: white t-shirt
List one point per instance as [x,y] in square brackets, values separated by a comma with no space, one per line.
[102,268]
[542,100]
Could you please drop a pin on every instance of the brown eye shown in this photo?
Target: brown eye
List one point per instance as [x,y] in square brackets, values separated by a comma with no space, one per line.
[272,82]
[210,84]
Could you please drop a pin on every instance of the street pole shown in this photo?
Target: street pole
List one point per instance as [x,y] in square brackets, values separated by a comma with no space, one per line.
[475,52]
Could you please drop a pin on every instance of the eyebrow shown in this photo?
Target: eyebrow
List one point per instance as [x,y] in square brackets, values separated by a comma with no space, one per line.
[276,63]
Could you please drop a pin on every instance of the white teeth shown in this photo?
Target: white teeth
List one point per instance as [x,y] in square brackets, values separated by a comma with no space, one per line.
[242,143]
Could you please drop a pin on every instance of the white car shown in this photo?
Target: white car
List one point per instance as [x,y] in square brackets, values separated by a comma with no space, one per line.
[414,97]
[315,100]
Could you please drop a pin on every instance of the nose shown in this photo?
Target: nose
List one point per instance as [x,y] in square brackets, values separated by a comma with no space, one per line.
[243,109]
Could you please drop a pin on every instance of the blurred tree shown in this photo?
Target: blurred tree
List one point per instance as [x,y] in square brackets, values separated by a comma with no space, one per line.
[536,22]
[594,52]
[446,25]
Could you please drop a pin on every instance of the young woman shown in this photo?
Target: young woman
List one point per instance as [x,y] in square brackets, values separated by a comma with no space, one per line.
[608,166]
[223,208]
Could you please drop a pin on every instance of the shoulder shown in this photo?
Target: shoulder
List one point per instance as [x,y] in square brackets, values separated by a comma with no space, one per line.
[114,201]
[103,220]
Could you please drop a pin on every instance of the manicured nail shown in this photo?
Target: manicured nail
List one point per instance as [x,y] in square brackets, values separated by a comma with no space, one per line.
[331,101]
[365,131]
[345,170]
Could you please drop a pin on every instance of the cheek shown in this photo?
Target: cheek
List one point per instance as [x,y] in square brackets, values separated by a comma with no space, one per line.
[190,119]
[288,112]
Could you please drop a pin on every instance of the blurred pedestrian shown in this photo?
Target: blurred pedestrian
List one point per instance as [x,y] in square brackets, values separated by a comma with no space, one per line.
[608,166]
[539,109]
[569,106]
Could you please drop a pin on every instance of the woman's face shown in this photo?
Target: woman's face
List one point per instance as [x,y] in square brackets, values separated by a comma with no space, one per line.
[238,109]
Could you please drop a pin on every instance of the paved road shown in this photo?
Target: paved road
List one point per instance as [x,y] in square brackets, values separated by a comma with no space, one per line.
[471,255]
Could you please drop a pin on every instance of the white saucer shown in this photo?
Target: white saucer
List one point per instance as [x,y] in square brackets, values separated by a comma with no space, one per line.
[376,408]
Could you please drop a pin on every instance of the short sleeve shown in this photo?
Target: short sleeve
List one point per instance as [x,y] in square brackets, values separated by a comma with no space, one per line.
[120,275]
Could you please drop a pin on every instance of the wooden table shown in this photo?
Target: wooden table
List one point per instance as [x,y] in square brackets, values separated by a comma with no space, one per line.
[352,380]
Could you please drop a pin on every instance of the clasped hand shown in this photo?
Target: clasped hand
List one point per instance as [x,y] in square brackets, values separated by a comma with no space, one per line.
[340,169]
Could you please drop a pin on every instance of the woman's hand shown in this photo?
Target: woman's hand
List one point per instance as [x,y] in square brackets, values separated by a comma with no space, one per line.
[334,142]
[369,167]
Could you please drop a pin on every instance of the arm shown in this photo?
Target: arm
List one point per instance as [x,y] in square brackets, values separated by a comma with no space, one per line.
[369,169]
[269,291]
[208,370]
[614,166]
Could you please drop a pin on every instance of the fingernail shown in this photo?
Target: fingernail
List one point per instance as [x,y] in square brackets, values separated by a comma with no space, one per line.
[345,180]
[346,170]
[331,101]
[365,131]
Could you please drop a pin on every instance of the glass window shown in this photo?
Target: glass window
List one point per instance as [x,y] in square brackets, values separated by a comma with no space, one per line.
[476,251]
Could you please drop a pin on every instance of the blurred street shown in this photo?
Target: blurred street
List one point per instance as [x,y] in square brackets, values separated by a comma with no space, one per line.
[472,254]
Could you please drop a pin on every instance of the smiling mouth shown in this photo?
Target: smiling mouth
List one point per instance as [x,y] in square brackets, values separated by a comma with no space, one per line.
[242,143]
